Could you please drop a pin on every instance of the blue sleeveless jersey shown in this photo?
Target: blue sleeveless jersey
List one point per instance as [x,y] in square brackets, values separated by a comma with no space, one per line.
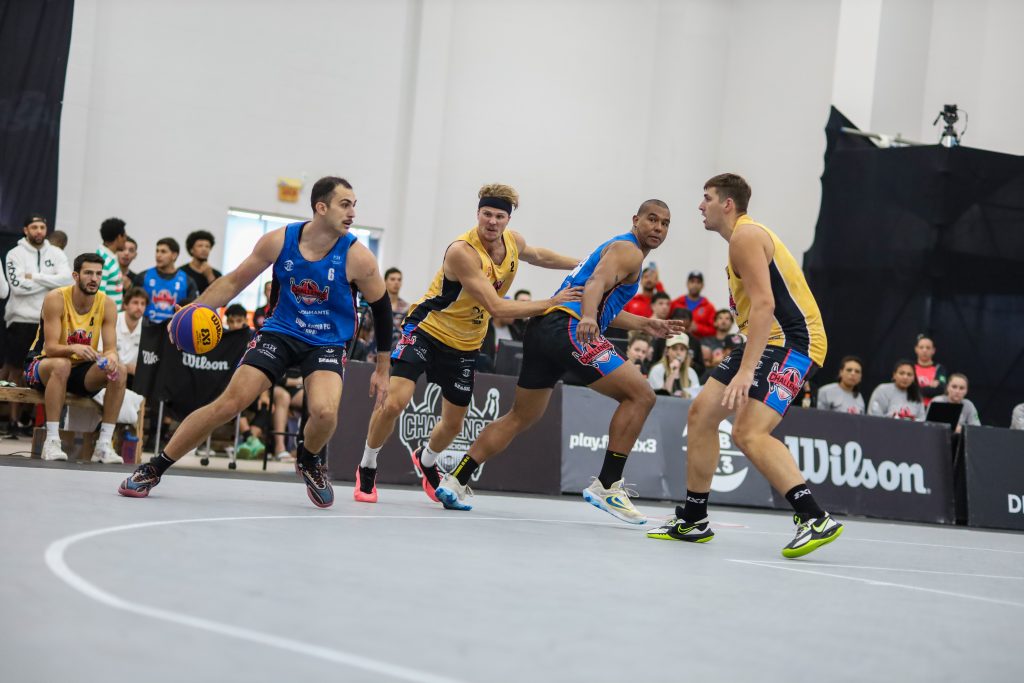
[163,294]
[613,301]
[315,303]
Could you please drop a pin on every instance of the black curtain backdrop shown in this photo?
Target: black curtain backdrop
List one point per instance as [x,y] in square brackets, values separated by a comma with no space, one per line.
[35,36]
[923,240]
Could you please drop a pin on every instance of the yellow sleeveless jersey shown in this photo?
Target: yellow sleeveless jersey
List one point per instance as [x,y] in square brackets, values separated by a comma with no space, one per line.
[76,328]
[448,313]
[797,323]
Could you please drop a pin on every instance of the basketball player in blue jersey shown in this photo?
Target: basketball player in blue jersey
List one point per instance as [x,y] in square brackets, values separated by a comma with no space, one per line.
[786,344]
[567,341]
[318,266]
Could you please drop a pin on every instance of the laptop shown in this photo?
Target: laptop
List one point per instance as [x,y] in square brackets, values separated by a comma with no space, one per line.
[948,413]
[509,358]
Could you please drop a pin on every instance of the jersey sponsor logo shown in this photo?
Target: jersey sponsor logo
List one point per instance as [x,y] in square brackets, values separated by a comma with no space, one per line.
[163,299]
[419,418]
[786,383]
[288,265]
[80,337]
[595,353]
[308,292]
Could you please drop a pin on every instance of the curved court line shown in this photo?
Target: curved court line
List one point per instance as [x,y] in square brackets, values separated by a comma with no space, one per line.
[847,539]
[55,561]
[875,582]
[898,569]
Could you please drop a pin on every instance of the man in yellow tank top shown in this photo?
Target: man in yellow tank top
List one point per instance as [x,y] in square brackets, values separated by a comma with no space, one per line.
[444,330]
[64,356]
[785,345]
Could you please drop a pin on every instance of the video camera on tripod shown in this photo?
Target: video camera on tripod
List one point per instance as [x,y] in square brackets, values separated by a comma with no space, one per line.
[950,114]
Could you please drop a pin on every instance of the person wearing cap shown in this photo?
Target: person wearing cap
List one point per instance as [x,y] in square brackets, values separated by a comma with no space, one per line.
[649,284]
[703,311]
[672,375]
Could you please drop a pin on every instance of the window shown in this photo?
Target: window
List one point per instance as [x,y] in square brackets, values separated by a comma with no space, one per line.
[244,228]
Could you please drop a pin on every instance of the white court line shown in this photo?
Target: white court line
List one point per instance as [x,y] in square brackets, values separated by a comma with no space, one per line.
[55,561]
[897,569]
[847,539]
[874,582]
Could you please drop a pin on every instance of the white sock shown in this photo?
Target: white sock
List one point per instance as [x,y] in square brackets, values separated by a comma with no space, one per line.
[106,433]
[428,457]
[370,456]
[53,430]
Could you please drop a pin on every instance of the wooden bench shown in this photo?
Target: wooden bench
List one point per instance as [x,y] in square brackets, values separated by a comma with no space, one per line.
[32,396]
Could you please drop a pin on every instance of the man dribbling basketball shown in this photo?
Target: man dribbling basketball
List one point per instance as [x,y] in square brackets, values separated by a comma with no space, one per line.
[317,264]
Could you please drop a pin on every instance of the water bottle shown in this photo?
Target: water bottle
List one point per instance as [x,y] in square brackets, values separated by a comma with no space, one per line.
[129,447]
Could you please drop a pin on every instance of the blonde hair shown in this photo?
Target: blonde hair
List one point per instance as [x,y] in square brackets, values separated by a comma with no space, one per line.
[506,192]
[684,365]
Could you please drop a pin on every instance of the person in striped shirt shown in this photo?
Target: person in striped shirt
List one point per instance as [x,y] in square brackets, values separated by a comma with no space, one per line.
[114,237]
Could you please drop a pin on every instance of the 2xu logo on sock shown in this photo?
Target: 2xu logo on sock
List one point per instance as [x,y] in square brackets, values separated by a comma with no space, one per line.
[846,466]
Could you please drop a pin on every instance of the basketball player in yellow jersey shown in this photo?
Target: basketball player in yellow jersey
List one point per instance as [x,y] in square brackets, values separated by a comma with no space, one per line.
[785,345]
[444,330]
[63,357]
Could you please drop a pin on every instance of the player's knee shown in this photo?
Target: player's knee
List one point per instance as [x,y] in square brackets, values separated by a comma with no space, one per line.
[644,398]
[60,369]
[392,407]
[324,414]
[745,438]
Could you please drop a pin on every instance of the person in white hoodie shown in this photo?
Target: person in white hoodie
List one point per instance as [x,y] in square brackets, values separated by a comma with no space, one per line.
[33,268]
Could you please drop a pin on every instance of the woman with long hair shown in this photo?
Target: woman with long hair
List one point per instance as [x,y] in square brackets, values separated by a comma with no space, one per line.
[673,375]
[844,396]
[900,398]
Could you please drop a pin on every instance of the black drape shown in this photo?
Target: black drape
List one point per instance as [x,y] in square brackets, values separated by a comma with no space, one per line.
[923,240]
[35,37]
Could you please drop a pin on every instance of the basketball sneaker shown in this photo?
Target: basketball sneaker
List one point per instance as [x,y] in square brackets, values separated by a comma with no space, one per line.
[615,501]
[451,493]
[105,453]
[140,482]
[366,486]
[318,485]
[678,529]
[430,479]
[811,534]
[53,450]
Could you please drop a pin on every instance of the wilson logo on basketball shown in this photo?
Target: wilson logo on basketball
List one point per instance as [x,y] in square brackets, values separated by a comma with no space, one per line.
[786,383]
[595,353]
[80,337]
[308,292]
[418,419]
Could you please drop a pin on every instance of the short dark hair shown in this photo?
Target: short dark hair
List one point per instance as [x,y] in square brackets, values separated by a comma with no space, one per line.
[731,186]
[87,257]
[658,296]
[111,229]
[720,311]
[195,236]
[170,243]
[324,188]
[389,271]
[649,203]
[236,309]
[129,238]
[522,291]
[136,293]
[34,218]
[858,361]
[681,313]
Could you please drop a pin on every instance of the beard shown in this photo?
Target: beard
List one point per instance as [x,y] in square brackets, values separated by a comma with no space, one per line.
[88,288]
[37,241]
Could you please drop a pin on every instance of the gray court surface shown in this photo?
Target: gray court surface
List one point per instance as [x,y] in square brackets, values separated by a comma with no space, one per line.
[242,579]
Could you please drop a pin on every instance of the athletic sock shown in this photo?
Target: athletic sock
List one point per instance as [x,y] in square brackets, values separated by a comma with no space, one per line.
[53,430]
[611,470]
[695,508]
[106,433]
[804,505]
[161,463]
[370,456]
[428,457]
[465,469]
[305,457]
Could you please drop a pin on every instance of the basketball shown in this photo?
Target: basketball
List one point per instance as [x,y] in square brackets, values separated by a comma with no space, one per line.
[196,329]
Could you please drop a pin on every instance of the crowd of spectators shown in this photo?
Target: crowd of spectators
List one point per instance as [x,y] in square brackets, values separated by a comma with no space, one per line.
[678,366]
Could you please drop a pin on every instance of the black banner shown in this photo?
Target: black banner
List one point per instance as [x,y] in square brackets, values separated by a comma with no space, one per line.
[530,465]
[994,460]
[34,41]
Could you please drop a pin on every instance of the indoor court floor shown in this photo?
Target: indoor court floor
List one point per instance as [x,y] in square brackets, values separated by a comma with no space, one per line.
[241,579]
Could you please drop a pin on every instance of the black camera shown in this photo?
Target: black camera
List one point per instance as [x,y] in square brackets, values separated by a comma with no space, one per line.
[949,114]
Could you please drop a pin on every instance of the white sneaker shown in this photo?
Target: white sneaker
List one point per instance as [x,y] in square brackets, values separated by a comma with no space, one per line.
[615,501]
[106,454]
[451,493]
[53,450]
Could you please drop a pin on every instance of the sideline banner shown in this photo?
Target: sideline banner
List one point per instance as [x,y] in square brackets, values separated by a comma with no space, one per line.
[994,460]
[530,465]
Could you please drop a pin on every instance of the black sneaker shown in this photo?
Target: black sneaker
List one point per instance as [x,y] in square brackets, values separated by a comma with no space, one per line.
[678,529]
[430,479]
[318,485]
[811,534]
[366,487]
[140,482]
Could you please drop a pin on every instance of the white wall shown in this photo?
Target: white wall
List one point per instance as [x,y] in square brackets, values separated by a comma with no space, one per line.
[176,111]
